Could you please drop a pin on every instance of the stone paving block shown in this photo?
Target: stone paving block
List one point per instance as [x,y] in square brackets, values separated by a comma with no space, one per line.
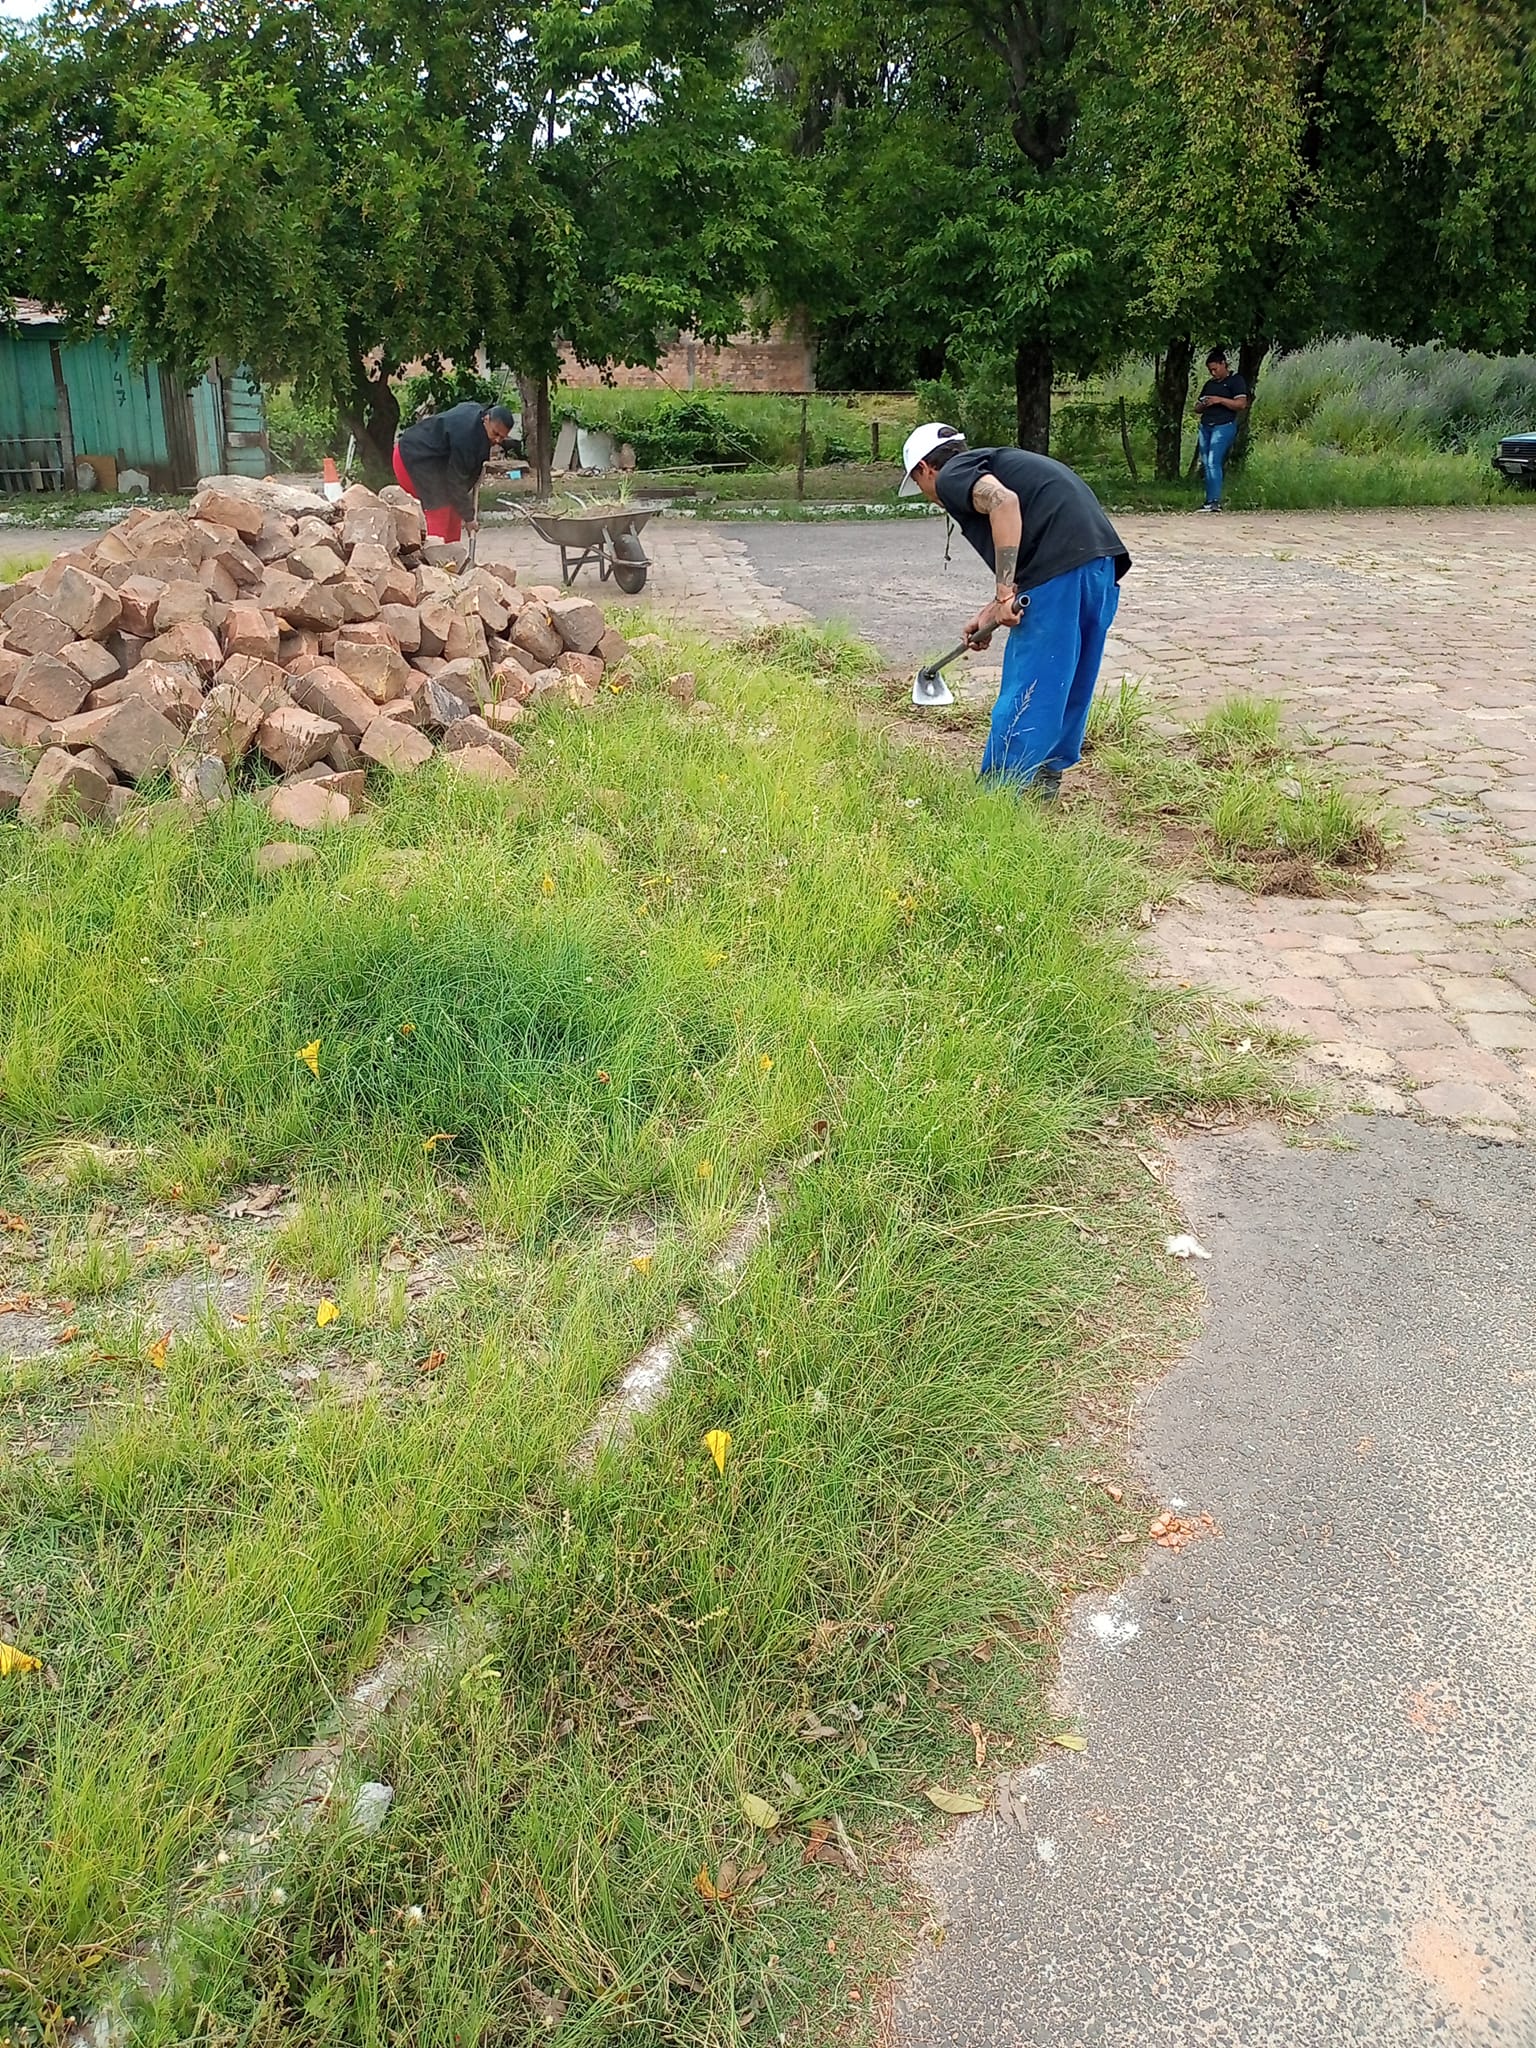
[1459,1063]
[1302,993]
[1370,1062]
[1394,992]
[1417,940]
[1412,1030]
[1510,1034]
[1375,966]
[1483,995]
[1459,1101]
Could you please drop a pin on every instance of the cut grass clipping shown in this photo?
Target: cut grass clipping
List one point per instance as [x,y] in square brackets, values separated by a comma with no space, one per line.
[688,953]
[1264,818]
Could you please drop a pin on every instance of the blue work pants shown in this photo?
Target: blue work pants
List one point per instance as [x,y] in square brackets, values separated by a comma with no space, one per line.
[1050,667]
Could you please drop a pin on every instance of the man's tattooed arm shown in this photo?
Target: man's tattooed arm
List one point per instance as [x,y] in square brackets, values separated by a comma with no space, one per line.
[989,493]
[1002,509]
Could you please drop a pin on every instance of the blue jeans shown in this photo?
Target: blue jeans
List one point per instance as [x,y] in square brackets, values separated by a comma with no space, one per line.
[1214,443]
[1050,667]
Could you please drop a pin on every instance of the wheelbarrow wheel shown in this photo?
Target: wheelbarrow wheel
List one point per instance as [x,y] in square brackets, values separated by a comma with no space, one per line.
[629,562]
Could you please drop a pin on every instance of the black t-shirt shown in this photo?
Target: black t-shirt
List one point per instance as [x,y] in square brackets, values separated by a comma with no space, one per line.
[1231,386]
[1064,523]
[445,454]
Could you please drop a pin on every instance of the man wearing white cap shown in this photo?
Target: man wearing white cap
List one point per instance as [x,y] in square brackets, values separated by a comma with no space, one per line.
[1058,564]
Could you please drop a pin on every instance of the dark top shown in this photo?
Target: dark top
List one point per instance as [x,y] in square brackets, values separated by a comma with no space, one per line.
[1064,523]
[1232,386]
[445,454]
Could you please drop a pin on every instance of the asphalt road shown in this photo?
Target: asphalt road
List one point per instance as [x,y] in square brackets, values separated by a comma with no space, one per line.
[1306,1815]
[886,578]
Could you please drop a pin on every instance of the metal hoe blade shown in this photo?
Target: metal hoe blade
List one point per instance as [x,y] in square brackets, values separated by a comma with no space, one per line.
[929,689]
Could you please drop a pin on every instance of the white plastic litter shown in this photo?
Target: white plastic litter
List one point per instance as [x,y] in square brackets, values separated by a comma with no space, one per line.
[1185,1247]
[373,1801]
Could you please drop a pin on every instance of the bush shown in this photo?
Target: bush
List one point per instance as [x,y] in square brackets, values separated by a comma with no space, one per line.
[979,399]
[678,433]
[301,432]
[1369,397]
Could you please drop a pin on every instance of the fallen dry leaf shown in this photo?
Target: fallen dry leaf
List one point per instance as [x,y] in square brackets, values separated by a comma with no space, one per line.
[759,1812]
[17,1223]
[1070,1741]
[158,1352]
[14,1662]
[258,1200]
[953,1802]
[68,1334]
[432,1361]
[326,1313]
[310,1055]
[718,1444]
[704,1885]
[438,1138]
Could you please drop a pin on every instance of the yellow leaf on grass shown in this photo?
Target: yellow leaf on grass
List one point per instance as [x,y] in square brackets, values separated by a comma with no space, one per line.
[1070,1741]
[641,1262]
[13,1661]
[759,1812]
[765,1064]
[705,1169]
[159,1351]
[548,885]
[704,1885]
[310,1055]
[954,1802]
[718,1444]
[326,1313]
[438,1138]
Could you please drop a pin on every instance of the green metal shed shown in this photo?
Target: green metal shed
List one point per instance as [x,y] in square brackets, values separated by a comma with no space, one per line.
[63,400]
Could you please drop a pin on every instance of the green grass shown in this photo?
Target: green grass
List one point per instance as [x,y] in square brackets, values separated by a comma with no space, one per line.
[687,954]
[12,566]
[1265,818]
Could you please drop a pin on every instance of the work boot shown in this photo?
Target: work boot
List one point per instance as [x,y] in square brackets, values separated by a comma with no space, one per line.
[1045,785]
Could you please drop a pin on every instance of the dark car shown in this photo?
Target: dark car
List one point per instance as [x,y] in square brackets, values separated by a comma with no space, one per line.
[1516,457]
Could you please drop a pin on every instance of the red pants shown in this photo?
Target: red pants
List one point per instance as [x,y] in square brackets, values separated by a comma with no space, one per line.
[443,523]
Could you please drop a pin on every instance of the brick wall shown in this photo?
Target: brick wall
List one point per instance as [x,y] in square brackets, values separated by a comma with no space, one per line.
[780,361]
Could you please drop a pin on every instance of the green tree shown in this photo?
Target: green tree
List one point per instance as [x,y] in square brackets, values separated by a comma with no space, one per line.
[329,192]
[962,223]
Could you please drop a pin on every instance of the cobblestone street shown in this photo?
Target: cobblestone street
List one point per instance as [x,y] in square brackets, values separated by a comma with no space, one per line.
[1402,643]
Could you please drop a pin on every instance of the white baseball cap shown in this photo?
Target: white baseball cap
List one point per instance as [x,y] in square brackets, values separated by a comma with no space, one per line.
[918,446]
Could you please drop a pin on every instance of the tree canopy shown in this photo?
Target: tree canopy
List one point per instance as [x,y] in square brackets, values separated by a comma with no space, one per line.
[328,191]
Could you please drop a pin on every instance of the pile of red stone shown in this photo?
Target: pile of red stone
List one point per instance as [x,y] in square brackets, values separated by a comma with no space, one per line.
[268,632]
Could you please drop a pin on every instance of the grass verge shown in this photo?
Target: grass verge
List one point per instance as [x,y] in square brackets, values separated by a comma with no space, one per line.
[1259,814]
[1234,797]
[689,949]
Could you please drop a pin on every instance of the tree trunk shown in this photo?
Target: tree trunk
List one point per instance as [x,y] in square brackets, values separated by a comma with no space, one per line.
[1032,369]
[372,417]
[1250,360]
[1170,393]
[538,441]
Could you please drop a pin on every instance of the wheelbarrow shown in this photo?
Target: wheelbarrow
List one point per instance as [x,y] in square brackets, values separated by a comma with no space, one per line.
[611,539]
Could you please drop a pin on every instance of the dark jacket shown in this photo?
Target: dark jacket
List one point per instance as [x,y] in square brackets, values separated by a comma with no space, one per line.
[445,454]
